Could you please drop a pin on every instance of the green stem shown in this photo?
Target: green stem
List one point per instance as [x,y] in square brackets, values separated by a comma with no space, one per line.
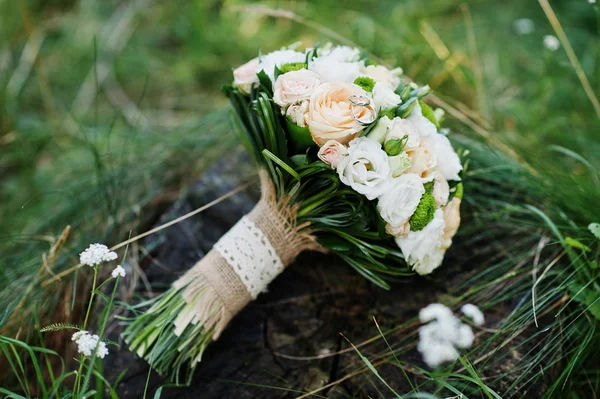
[102,329]
[87,315]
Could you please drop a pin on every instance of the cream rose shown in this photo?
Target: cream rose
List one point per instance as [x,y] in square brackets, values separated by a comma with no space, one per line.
[294,87]
[298,113]
[332,153]
[452,221]
[379,73]
[399,202]
[329,114]
[245,76]
[365,168]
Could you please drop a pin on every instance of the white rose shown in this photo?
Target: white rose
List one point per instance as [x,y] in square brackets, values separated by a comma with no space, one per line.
[422,249]
[298,113]
[337,64]
[268,62]
[379,73]
[331,70]
[398,129]
[295,86]
[384,96]
[399,202]
[448,161]
[422,124]
[330,116]
[452,221]
[332,153]
[244,76]
[340,53]
[366,168]
[422,159]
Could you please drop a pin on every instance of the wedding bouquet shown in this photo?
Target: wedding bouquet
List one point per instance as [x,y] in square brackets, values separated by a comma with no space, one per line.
[351,161]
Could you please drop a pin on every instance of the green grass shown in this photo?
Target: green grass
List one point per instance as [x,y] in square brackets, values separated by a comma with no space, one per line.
[98,151]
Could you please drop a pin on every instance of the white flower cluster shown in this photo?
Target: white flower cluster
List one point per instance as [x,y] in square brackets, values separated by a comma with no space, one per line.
[86,343]
[96,254]
[440,339]
[118,271]
[403,163]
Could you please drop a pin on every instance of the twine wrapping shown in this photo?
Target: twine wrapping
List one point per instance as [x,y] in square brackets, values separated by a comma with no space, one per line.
[212,287]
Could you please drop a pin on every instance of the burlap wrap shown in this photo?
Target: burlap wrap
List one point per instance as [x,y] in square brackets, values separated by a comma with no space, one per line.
[212,286]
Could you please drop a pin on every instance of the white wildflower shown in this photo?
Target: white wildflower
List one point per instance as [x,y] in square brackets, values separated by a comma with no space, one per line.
[440,339]
[473,312]
[592,1]
[524,26]
[86,343]
[96,254]
[119,271]
[551,43]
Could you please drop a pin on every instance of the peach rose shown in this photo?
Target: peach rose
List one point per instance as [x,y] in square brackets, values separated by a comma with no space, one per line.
[330,115]
[398,231]
[298,113]
[379,73]
[422,159]
[441,189]
[245,76]
[294,87]
[332,153]
[452,222]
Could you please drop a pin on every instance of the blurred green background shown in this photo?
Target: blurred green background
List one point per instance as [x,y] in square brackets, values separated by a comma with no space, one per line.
[107,107]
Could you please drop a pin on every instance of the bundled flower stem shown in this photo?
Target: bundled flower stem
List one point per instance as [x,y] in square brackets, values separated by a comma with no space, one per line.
[351,162]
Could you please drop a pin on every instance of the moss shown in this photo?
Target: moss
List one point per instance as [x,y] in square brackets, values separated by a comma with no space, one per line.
[424,212]
[365,82]
[293,66]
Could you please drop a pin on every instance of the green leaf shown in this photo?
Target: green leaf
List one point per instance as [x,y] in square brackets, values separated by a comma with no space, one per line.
[335,243]
[265,81]
[406,108]
[595,229]
[429,114]
[300,136]
[405,93]
[587,297]
[576,244]
[299,160]
[269,155]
